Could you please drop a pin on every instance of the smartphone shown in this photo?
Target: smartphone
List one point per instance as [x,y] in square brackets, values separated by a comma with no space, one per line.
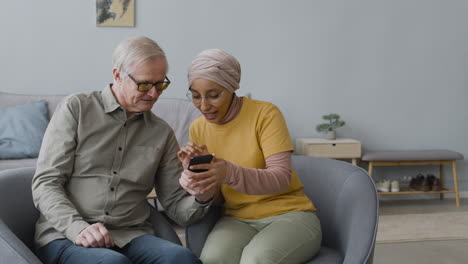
[200,160]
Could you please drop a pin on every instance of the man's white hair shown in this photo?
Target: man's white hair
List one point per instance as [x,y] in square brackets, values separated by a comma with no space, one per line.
[132,52]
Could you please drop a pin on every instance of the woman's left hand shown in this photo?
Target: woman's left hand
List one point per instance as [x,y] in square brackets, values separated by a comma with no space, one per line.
[209,180]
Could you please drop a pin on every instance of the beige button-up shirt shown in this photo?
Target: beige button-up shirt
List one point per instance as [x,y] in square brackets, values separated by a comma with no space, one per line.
[95,165]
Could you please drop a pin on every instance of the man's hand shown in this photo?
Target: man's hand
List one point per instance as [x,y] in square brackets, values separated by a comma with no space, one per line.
[185,182]
[95,236]
[189,151]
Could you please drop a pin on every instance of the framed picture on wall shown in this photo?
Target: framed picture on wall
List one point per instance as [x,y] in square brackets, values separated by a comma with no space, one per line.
[115,13]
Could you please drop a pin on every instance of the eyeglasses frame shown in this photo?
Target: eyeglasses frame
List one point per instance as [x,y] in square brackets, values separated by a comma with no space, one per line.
[168,82]
[189,92]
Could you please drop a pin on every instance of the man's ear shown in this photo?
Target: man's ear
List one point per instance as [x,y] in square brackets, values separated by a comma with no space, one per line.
[116,74]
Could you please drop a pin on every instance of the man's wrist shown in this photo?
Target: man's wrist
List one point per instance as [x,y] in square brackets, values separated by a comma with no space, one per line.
[204,202]
[75,229]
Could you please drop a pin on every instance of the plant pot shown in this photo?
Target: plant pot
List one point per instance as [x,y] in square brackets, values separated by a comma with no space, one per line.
[331,135]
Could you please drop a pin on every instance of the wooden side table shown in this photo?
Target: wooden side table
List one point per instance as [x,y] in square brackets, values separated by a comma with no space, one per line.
[341,148]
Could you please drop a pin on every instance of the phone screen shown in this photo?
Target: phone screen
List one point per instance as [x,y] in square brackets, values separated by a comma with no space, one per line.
[200,160]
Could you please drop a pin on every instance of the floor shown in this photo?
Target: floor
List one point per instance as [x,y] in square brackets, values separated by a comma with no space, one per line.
[425,252]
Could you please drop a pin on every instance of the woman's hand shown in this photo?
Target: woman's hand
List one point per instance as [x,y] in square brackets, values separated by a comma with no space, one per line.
[189,151]
[209,180]
[185,181]
[204,185]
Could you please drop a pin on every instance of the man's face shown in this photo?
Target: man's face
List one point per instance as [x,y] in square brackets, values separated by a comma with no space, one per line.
[132,100]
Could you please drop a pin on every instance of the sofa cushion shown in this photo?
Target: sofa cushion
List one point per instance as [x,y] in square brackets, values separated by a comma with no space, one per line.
[22,128]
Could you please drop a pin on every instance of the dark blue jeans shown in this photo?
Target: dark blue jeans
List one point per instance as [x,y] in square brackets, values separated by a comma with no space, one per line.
[143,249]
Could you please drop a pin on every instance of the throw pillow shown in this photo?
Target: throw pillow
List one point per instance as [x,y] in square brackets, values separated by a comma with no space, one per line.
[22,128]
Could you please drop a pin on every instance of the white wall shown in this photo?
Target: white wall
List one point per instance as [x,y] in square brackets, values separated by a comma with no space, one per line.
[396,70]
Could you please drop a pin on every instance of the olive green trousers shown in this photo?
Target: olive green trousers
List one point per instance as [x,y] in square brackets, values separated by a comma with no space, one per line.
[293,237]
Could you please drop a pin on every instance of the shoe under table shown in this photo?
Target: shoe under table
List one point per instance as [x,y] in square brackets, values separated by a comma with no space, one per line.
[418,157]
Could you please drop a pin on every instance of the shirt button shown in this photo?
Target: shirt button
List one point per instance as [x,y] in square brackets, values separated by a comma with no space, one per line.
[114,172]
[107,213]
[112,189]
[120,149]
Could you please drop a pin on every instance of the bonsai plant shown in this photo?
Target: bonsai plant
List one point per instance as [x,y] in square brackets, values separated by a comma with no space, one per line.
[334,122]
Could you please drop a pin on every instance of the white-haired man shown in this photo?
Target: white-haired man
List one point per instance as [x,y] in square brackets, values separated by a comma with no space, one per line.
[101,155]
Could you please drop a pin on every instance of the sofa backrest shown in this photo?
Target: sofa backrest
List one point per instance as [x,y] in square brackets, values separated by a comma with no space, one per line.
[9,99]
[178,113]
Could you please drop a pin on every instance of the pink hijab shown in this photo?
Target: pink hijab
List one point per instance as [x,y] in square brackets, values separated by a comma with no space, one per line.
[217,66]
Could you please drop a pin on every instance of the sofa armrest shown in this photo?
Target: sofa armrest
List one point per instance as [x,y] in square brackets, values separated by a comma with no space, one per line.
[197,233]
[17,210]
[162,227]
[356,211]
[347,205]
[12,250]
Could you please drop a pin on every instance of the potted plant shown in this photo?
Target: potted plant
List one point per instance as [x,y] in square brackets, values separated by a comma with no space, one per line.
[334,122]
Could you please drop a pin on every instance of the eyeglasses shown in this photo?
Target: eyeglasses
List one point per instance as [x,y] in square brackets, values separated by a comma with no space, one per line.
[146,86]
[212,97]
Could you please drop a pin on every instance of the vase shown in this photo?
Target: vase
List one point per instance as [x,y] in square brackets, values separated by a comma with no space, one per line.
[331,135]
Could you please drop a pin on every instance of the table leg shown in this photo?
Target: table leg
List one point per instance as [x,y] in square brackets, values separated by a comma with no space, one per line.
[370,168]
[441,174]
[455,183]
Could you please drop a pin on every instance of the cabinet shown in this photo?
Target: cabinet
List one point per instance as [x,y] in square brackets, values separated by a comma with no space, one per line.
[341,148]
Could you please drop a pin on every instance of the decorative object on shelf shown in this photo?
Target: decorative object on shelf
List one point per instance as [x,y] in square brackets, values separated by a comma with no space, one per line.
[115,13]
[334,122]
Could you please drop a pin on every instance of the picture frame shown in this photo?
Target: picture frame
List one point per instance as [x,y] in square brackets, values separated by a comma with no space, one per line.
[115,13]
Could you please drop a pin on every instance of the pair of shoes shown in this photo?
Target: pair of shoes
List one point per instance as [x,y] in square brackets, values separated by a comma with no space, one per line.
[425,184]
[434,183]
[420,183]
[383,186]
[387,186]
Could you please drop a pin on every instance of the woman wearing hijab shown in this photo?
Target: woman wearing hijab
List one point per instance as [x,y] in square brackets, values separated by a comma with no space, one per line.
[267,218]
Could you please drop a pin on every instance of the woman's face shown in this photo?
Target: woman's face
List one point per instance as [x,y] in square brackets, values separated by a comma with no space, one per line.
[211,99]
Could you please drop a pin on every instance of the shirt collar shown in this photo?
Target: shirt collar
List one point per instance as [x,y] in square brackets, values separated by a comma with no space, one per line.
[111,104]
[108,99]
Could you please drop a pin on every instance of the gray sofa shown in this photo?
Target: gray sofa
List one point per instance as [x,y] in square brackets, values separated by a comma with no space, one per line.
[344,195]
[178,113]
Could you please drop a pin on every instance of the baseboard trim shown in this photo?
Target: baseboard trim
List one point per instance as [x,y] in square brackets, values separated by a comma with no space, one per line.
[463,194]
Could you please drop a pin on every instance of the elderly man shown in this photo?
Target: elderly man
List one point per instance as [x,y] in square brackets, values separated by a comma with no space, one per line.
[101,156]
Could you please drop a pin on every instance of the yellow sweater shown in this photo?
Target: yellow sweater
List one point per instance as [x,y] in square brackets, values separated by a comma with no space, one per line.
[258,132]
